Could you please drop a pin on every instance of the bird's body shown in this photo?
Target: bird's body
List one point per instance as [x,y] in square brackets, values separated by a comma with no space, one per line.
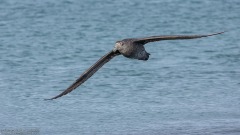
[131,48]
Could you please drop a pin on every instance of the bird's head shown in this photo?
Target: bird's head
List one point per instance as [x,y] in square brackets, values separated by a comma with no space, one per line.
[118,46]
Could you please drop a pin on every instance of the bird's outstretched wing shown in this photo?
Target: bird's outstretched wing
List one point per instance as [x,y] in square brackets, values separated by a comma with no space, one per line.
[88,73]
[171,37]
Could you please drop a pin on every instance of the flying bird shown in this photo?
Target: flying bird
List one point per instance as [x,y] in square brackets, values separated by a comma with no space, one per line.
[131,48]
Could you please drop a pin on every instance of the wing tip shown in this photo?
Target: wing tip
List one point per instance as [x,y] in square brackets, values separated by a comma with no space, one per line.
[60,95]
[218,33]
[51,98]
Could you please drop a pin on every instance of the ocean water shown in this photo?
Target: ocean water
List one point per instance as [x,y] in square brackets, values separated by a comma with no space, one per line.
[187,87]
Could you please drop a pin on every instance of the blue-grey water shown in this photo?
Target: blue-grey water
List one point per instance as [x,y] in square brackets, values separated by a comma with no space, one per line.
[186,87]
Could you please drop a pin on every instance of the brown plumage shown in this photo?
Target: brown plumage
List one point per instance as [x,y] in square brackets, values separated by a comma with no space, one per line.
[130,48]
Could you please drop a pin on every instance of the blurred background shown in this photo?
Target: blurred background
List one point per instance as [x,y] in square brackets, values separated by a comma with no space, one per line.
[186,87]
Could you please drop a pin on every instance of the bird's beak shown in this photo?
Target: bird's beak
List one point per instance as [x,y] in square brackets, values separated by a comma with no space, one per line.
[115,49]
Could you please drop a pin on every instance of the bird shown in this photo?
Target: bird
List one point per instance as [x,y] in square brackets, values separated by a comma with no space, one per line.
[132,48]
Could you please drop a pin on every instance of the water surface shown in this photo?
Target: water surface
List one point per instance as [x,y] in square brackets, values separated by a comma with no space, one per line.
[186,87]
